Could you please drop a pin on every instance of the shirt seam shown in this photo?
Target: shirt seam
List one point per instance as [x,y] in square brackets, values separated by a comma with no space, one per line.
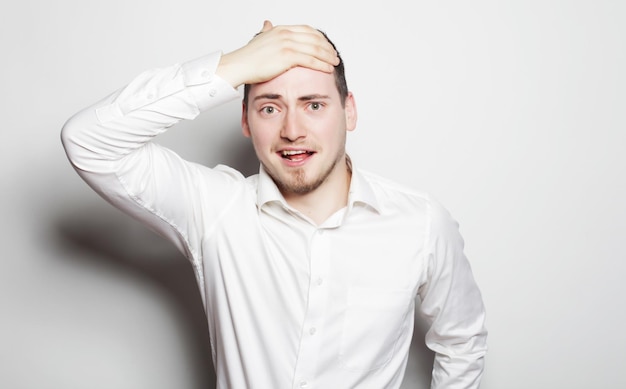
[195,261]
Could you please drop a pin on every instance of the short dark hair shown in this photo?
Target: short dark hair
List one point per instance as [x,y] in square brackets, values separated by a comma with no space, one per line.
[339,72]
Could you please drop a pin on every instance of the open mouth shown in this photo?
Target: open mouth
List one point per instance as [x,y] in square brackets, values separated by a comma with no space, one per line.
[295,155]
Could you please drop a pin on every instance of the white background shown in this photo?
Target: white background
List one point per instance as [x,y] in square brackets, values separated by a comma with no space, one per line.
[512,113]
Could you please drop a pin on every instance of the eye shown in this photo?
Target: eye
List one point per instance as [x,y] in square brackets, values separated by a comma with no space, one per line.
[268,110]
[315,106]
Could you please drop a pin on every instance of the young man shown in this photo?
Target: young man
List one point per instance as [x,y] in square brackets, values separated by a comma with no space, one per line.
[308,270]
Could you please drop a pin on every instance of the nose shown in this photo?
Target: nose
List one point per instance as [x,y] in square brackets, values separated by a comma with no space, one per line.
[292,127]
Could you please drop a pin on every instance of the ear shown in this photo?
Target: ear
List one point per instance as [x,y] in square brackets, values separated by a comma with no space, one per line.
[350,111]
[245,128]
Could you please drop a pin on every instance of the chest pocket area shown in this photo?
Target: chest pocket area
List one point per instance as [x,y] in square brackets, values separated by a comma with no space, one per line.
[373,323]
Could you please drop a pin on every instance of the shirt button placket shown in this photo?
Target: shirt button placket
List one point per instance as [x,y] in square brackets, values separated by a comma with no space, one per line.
[310,342]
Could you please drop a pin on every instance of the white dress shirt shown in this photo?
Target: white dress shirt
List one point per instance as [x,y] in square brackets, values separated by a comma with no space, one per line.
[289,304]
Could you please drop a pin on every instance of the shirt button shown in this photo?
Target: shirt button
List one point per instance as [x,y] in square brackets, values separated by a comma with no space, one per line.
[212,92]
[303,384]
[319,281]
[312,330]
[206,74]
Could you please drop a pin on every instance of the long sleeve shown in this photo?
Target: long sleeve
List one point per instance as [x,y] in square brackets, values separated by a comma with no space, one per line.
[452,304]
[110,146]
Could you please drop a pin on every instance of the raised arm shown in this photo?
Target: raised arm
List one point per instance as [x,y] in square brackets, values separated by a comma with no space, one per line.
[159,98]
[109,143]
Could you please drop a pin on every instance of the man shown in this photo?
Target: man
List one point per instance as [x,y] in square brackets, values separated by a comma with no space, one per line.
[308,270]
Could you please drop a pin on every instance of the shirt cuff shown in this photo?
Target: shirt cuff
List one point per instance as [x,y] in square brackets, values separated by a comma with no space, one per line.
[207,88]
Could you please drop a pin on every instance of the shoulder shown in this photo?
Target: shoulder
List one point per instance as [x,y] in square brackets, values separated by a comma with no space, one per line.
[388,191]
[410,201]
[252,180]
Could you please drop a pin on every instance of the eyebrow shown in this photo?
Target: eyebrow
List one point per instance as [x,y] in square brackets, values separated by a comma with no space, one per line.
[274,96]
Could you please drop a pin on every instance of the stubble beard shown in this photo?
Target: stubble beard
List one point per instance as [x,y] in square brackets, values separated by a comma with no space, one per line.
[297,184]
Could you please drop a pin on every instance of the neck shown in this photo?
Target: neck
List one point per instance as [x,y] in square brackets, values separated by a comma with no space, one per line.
[328,198]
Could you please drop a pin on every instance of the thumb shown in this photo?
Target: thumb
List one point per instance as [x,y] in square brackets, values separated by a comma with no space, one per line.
[267,25]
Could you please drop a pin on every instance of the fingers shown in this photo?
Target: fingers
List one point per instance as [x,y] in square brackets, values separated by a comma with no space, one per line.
[276,49]
[315,55]
[307,47]
[301,39]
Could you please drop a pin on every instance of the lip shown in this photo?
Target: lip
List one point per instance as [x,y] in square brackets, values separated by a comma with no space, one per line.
[300,156]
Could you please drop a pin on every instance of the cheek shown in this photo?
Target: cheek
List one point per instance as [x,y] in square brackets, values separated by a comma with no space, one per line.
[335,133]
[261,140]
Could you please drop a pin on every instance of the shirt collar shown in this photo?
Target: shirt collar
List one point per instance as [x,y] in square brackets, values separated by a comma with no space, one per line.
[361,191]
[267,191]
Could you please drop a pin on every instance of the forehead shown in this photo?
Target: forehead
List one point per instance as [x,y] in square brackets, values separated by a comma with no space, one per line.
[297,82]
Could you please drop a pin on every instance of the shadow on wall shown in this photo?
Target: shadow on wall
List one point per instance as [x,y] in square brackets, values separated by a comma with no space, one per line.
[129,249]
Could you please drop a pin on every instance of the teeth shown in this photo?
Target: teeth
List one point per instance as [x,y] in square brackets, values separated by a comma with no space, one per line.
[293,152]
